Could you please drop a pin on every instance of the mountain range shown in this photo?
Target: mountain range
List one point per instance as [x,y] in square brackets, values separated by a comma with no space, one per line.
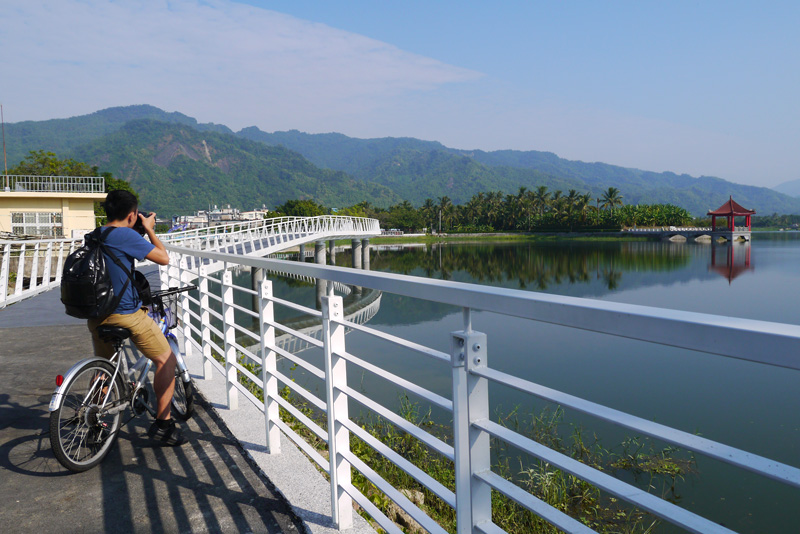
[179,165]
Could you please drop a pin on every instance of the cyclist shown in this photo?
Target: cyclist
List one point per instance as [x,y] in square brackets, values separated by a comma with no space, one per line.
[127,244]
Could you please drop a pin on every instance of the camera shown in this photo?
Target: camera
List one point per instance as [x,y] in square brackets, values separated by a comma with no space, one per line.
[138,226]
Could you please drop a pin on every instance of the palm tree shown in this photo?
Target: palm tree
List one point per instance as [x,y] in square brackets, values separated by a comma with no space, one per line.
[611,198]
[494,202]
[540,198]
[428,211]
[446,210]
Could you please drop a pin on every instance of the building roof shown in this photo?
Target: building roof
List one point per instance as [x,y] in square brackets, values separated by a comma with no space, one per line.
[731,208]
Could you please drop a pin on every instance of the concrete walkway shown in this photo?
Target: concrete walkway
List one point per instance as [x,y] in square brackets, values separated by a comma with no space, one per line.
[208,485]
[221,481]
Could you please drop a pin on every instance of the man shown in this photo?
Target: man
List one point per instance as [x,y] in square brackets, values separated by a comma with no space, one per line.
[127,244]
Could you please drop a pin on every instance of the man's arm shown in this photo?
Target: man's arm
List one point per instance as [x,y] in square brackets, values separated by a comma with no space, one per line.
[159,254]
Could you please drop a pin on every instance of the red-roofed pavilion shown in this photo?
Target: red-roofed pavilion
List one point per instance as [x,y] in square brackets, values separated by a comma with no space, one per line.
[731,210]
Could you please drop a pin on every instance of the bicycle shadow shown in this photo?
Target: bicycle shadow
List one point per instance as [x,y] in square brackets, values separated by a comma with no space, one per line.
[29,453]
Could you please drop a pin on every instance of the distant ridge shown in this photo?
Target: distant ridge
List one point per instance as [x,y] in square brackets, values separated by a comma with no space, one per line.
[400,163]
[791,188]
[381,171]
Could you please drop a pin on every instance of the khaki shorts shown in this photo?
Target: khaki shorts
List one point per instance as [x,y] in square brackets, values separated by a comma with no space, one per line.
[145,334]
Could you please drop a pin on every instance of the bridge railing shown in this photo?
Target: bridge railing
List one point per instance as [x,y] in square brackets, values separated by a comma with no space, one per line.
[217,237]
[217,333]
[29,267]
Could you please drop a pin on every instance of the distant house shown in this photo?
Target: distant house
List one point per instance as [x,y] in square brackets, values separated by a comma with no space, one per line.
[49,206]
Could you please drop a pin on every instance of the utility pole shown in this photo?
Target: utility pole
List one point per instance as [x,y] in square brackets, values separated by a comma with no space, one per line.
[5,160]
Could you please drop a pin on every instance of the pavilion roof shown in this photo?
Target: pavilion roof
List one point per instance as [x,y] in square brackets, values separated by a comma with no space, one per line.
[731,208]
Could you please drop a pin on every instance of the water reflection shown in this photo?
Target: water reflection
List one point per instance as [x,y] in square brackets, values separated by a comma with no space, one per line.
[730,259]
[536,266]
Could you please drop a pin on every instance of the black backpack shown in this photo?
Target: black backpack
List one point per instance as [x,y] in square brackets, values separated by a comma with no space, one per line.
[86,288]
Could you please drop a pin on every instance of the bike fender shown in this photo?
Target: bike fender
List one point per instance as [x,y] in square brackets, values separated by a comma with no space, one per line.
[58,394]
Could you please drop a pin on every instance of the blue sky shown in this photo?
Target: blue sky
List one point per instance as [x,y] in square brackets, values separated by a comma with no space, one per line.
[705,87]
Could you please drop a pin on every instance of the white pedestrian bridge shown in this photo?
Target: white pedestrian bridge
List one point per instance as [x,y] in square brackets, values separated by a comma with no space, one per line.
[250,381]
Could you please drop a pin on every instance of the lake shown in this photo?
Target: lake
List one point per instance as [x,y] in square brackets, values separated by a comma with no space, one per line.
[745,405]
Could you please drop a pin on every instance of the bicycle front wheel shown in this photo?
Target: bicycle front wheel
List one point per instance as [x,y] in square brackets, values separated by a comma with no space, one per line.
[84,428]
[183,397]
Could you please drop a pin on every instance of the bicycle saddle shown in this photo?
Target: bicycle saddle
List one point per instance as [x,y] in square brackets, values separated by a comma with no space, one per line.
[110,333]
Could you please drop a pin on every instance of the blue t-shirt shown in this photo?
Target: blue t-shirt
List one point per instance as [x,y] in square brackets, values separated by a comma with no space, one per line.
[126,244]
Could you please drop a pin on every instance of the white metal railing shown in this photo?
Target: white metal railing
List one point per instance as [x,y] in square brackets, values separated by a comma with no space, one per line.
[28,267]
[56,184]
[216,237]
[260,238]
[466,366]
[663,229]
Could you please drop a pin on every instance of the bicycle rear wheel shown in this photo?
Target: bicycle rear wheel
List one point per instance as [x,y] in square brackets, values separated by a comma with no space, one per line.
[183,397]
[84,428]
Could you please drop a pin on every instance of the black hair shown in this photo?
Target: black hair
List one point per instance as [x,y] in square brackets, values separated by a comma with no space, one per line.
[119,204]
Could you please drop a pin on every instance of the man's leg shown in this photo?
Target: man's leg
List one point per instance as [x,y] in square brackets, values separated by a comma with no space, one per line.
[164,383]
[151,342]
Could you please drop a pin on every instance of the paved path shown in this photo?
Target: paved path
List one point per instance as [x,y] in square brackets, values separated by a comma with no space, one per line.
[208,485]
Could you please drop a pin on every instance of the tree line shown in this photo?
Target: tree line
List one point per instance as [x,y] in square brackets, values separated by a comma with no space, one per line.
[527,210]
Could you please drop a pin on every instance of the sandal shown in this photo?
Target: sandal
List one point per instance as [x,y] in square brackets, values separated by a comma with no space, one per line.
[170,436]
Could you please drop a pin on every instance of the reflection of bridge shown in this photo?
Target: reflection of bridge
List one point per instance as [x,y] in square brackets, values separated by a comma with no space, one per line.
[310,328]
[668,232]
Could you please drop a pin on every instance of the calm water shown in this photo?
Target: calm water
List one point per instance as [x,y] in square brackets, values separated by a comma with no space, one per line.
[745,405]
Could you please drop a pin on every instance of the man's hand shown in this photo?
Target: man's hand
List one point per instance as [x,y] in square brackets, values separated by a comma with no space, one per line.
[159,254]
[148,222]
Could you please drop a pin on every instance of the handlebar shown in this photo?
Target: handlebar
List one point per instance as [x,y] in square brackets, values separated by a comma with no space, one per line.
[172,291]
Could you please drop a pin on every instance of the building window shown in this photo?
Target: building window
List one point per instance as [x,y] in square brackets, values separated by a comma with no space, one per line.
[41,223]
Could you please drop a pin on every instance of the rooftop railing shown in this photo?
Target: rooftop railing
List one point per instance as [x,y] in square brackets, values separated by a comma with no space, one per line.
[240,344]
[54,184]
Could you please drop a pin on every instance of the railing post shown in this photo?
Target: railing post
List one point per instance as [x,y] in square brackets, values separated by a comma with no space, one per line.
[20,269]
[269,366]
[228,330]
[4,261]
[48,261]
[471,446]
[32,283]
[338,435]
[186,317]
[205,318]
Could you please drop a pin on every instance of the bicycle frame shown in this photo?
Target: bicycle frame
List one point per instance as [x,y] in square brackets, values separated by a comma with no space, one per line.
[120,367]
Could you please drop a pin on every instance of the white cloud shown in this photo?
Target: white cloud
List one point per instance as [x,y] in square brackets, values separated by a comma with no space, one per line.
[214,60]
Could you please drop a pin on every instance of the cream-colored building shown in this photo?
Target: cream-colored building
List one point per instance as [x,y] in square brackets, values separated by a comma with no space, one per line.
[49,206]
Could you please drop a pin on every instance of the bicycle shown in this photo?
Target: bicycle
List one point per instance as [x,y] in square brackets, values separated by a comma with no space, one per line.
[86,407]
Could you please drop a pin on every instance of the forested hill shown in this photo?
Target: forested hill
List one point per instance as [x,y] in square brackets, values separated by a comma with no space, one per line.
[392,160]
[247,168]
[64,135]
[176,168]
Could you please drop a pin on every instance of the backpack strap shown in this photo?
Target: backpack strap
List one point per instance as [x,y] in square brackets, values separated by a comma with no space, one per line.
[101,237]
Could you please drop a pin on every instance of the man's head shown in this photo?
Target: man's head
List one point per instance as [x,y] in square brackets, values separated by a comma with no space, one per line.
[120,204]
